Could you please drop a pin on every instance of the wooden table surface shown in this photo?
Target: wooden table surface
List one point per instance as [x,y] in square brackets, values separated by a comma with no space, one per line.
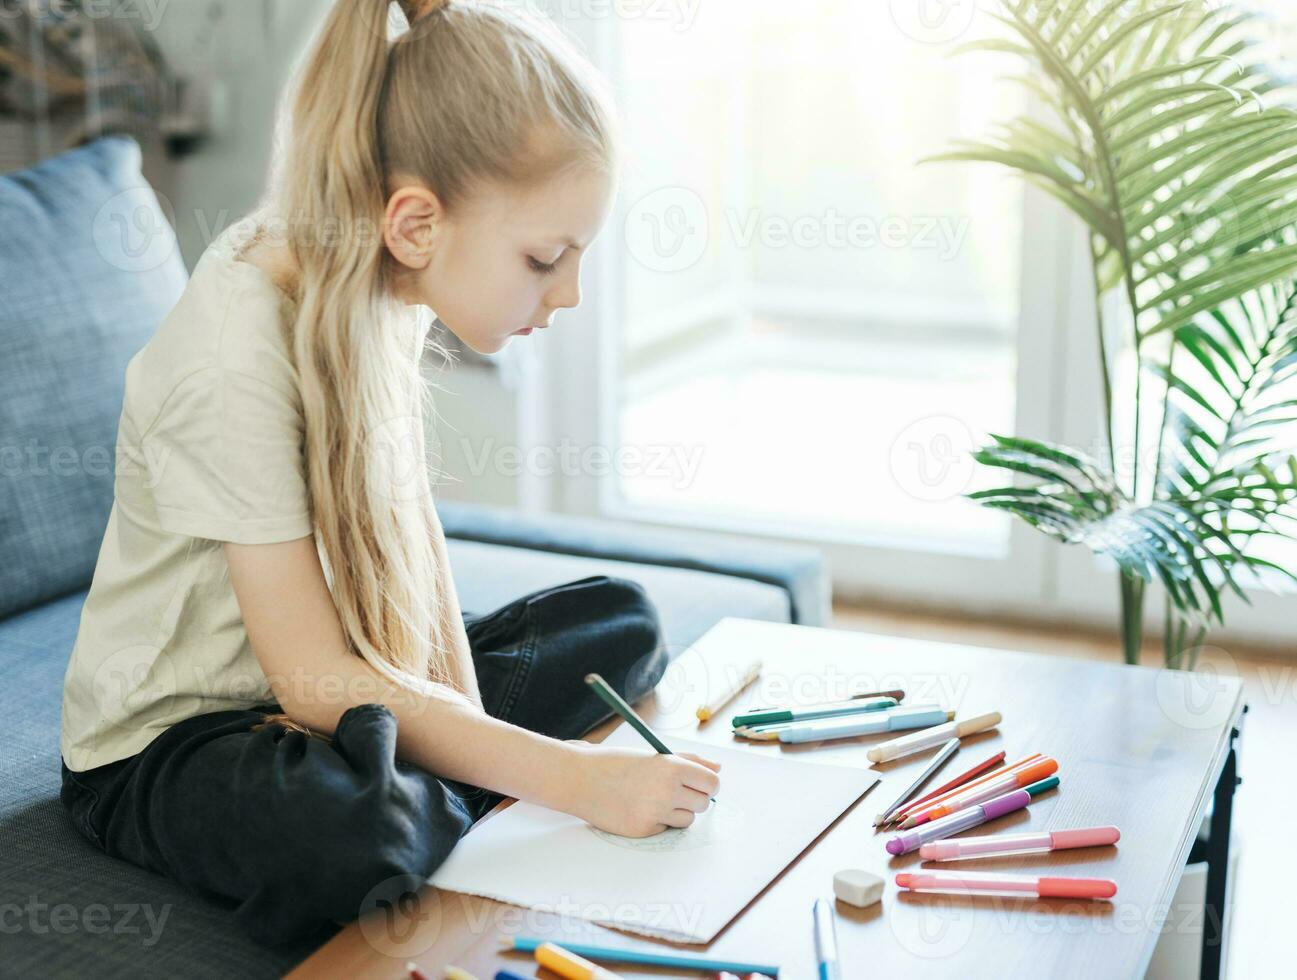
[1137,747]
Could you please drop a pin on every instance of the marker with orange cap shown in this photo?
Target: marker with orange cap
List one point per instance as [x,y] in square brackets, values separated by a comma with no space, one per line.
[963,883]
[570,966]
[935,797]
[1005,783]
[962,782]
[1054,840]
[967,818]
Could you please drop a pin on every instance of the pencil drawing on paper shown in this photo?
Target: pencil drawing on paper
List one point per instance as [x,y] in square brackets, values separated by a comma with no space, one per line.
[708,827]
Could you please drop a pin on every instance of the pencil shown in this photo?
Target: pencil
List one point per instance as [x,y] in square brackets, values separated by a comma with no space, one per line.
[570,965]
[614,701]
[912,808]
[611,954]
[708,710]
[936,762]
[959,780]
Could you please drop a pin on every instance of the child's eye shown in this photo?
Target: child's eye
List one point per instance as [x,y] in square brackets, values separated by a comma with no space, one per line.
[544,268]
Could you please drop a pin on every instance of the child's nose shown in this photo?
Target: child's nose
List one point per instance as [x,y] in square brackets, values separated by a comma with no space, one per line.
[567,293]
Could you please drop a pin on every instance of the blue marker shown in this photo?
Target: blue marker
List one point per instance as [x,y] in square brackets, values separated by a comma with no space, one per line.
[895,720]
[826,943]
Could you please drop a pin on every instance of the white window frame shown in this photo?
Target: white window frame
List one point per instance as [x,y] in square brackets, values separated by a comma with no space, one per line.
[1058,398]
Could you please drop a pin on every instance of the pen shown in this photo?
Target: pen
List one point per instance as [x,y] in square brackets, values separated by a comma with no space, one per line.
[1054,840]
[1009,781]
[967,818]
[938,760]
[776,715]
[962,883]
[826,943]
[614,701]
[909,744]
[872,723]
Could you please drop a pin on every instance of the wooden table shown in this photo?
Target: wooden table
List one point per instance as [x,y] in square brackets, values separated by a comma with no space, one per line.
[1139,748]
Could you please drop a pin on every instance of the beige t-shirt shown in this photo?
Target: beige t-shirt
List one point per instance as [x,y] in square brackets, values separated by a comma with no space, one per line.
[210,449]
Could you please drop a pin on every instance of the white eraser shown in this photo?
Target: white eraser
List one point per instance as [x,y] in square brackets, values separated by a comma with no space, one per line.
[856,887]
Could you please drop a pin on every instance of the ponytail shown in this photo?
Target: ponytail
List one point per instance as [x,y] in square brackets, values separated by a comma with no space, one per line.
[366,107]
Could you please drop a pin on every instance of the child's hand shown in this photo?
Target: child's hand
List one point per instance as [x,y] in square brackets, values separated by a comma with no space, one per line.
[638,792]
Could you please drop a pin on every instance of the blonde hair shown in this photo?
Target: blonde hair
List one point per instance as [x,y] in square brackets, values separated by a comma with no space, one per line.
[471,94]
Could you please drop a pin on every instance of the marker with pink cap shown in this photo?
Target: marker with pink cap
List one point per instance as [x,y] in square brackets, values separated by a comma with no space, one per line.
[969,883]
[1055,840]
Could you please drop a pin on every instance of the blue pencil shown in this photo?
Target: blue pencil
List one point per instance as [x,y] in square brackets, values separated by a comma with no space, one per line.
[527,944]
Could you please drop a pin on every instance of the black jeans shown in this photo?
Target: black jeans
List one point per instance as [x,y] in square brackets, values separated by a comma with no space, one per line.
[297,832]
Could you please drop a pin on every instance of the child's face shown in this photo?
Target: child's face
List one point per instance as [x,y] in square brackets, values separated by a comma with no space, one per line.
[508,259]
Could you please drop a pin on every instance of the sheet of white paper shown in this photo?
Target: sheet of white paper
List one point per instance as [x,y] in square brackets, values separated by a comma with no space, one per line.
[681,884]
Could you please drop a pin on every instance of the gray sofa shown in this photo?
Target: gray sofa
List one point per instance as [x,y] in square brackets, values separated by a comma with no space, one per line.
[87,269]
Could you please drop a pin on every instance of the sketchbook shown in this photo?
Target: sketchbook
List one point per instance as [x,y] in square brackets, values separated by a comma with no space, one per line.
[681,884]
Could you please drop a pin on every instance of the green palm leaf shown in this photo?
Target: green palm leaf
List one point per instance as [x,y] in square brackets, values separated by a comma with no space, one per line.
[1160,140]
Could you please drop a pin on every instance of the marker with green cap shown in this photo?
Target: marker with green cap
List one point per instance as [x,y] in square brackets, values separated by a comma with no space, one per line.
[967,818]
[772,716]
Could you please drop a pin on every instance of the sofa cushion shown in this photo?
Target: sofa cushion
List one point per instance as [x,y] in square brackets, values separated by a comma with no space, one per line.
[689,602]
[90,267]
[79,913]
[800,571]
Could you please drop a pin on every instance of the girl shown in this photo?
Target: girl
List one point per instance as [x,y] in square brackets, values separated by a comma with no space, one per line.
[274,696]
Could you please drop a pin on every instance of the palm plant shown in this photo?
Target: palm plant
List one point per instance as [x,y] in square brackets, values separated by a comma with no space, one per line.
[1154,130]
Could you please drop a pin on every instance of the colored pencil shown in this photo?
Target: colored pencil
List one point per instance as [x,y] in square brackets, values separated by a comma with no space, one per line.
[938,760]
[528,944]
[979,781]
[1004,783]
[961,779]
[707,711]
[614,701]
[569,965]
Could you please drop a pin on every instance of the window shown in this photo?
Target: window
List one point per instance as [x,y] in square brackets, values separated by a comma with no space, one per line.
[826,326]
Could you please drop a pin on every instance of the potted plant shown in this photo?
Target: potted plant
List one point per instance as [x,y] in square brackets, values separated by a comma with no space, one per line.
[1160,128]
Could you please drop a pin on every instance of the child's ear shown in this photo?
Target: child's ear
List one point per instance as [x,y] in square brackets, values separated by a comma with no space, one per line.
[413,218]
